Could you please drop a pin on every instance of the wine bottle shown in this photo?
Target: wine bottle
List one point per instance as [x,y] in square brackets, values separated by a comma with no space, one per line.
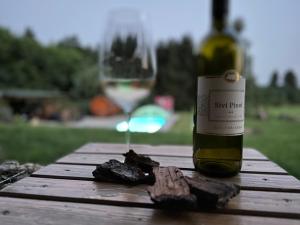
[219,109]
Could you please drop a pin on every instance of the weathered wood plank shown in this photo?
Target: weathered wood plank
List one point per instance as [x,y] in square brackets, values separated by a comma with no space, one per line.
[15,211]
[247,181]
[275,204]
[159,150]
[181,162]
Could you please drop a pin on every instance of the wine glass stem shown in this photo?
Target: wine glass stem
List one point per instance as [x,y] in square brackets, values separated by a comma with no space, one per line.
[128,130]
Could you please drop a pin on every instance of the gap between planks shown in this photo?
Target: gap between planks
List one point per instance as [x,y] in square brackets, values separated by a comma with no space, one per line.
[164,155]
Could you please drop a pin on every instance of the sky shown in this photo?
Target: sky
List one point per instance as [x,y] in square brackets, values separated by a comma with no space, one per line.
[271,26]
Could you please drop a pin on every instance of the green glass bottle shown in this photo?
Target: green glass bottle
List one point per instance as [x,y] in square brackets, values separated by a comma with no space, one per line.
[219,109]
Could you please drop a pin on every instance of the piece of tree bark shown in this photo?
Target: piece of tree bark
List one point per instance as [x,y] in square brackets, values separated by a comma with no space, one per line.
[145,163]
[170,189]
[115,171]
[211,193]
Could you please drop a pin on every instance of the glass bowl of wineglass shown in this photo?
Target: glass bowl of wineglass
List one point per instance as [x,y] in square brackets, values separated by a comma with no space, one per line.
[127,61]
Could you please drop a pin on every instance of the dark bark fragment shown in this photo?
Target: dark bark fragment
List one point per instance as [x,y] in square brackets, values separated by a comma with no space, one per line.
[211,193]
[115,171]
[145,163]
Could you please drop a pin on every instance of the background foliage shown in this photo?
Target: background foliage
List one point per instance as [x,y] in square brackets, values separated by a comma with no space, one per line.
[72,69]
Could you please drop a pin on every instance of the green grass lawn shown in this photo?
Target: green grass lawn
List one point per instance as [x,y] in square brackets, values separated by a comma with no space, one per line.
[290,110]
[45,144]
[277,139]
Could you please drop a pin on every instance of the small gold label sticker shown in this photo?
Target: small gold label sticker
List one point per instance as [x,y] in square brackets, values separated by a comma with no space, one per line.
[232,76]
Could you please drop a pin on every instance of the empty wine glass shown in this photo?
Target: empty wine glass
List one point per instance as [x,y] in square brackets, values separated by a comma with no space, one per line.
[127,61]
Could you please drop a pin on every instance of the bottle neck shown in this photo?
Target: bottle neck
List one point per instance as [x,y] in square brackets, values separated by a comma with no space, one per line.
[219,24]
[219,14]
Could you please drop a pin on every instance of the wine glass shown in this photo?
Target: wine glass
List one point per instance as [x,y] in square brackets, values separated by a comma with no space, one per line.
[127,61]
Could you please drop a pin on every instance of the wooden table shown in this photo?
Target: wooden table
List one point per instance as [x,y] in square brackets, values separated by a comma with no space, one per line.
[65,193]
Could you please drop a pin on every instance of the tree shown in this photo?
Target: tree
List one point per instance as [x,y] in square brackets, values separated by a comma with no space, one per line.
[29,33]
[72,42]
[290,87]
[176,73]
[251,92]
[66,67]
[274,94]
[19,57]
[290,80]
[69,42]
[274,80]
[239,25]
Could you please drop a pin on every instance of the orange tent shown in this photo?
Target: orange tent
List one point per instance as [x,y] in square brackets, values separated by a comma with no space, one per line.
[102,106]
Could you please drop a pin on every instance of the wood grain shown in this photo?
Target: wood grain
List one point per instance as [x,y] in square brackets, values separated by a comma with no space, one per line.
[15,211]
[159,150]
[170,188]
[181,162]
[275,204]
[247,181]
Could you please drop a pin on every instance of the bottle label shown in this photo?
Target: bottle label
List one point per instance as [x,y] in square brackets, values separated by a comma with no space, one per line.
[220,105]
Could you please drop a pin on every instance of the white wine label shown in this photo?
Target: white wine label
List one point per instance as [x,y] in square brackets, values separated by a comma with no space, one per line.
[220,105]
